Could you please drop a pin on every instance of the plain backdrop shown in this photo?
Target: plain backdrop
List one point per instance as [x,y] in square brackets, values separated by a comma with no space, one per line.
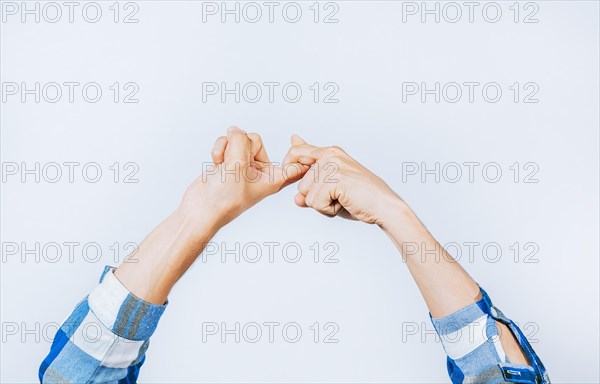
[367,301]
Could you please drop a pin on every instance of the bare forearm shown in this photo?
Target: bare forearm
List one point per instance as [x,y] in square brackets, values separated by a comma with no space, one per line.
[444,284]
[165,255]
[129,301]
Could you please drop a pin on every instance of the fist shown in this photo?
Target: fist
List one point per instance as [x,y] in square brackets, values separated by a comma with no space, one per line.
[241,175]
[338,185]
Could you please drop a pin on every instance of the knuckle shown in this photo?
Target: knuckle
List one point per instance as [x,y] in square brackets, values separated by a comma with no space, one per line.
[309,200]
[255,136]
[303,189]
[238,134]
[335,150]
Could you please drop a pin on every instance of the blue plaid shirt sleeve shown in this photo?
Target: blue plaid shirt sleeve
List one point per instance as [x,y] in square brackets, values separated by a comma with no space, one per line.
[105,338]
[471,339]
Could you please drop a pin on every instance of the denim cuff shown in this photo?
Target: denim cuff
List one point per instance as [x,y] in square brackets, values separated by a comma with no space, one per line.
[469,329]
[461,318]
[121,311]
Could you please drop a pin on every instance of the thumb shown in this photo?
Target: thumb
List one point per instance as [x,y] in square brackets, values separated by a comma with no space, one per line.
[297,140]
[238,147]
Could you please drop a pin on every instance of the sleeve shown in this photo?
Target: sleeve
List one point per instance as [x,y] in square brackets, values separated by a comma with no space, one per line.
[475,355]
[105,338]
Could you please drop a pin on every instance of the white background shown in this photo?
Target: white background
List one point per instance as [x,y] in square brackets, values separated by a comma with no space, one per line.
[369,53]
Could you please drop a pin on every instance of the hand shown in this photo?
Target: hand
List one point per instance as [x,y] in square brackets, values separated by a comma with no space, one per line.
[240,177]
[337,185]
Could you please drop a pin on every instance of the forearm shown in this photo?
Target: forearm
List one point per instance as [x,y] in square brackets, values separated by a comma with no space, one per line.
[444,284]
[127,304]
[165,255]
[456,303]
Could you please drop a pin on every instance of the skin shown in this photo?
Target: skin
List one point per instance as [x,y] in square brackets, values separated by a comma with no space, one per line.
[210,202]
[445,286]
[333,184]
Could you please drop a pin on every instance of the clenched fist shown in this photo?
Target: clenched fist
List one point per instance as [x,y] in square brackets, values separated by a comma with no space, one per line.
[240,177]
[337,185]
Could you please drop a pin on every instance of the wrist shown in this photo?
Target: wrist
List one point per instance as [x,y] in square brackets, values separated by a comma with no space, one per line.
[394,211]
[198,223]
